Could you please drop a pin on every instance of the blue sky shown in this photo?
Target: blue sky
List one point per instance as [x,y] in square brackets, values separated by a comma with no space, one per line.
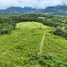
[30,3]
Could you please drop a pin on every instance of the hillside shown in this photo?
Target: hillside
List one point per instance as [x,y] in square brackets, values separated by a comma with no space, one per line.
[54,10]
[21,47]
[17,10]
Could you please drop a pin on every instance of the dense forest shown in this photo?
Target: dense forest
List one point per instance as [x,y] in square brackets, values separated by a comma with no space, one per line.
[8,23]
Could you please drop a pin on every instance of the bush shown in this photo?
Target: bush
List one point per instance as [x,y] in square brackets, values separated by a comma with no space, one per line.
[61,32]
[6,64]
[22,61]
[6,28]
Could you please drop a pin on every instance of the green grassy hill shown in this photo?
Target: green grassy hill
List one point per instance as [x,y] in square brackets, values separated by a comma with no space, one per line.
[21,47]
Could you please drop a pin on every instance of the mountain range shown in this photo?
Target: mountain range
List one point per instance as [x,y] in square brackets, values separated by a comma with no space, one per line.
[55,10]
[17,10]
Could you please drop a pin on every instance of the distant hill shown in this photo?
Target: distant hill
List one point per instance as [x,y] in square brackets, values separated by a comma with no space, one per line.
[17,10]
[55,10]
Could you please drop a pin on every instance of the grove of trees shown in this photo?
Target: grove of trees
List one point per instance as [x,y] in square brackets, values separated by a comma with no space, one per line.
[8,22]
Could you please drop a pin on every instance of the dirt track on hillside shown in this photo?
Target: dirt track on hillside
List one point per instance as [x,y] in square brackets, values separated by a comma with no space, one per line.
[42,43]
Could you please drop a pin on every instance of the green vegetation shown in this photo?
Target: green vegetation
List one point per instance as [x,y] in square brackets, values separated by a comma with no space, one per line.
[30,25]
[21,47]
[61,32]
[21,36]
[8,23]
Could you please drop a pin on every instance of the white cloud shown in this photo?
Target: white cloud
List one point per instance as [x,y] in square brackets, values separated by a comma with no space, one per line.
[30,3]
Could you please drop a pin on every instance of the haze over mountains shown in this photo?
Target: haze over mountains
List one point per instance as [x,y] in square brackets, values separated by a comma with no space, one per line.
[56,10]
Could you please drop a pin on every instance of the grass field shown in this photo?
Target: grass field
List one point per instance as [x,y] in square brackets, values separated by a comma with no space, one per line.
[20,48]
[30,25]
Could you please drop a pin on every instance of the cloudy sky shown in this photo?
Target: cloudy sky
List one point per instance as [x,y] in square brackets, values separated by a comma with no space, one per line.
[30,3]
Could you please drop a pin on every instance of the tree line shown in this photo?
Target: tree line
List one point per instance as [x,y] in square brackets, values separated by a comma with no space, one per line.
[8,22]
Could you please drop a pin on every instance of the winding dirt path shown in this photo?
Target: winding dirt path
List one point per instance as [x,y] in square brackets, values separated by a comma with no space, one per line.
[42,43]
[42,40]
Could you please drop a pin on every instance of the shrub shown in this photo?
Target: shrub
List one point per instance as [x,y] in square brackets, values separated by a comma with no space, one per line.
[61,32]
